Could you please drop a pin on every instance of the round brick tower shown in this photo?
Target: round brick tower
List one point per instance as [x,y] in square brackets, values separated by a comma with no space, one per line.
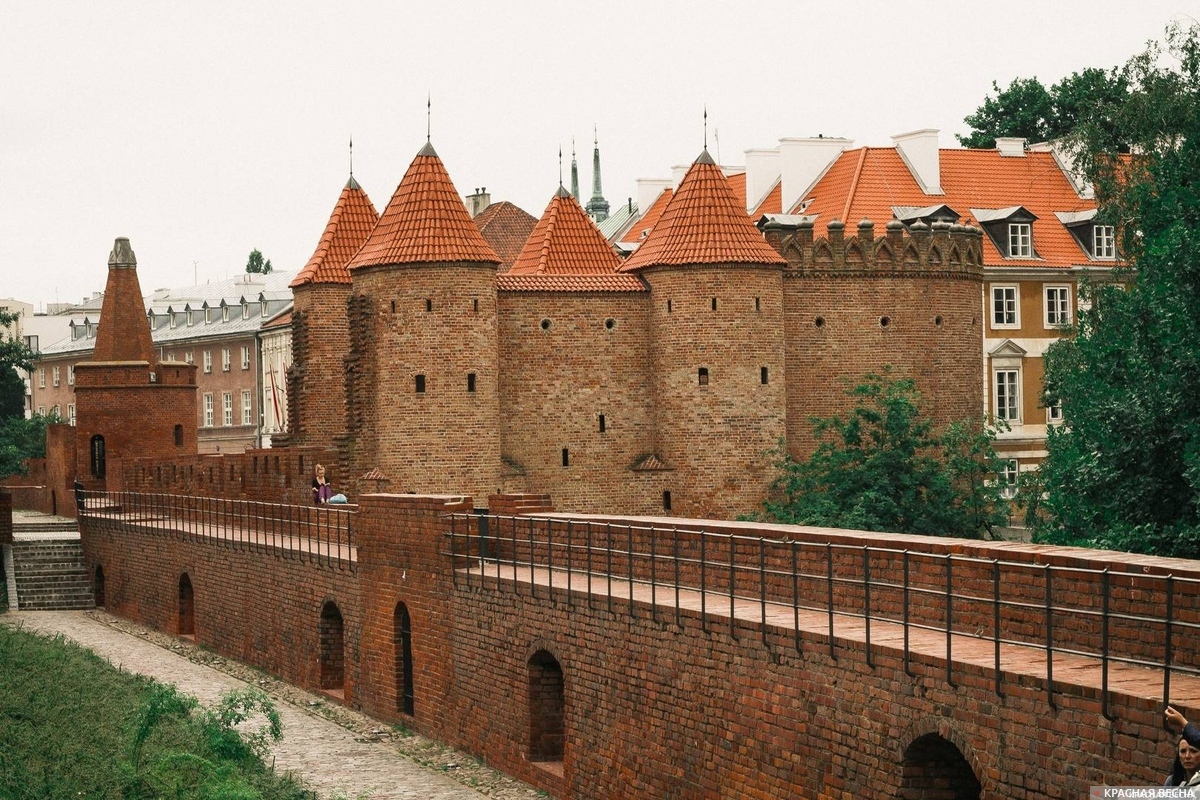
[718,352]
[421,377]
[320,333]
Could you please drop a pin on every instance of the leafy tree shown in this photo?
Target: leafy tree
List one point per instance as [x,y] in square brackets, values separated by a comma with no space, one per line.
[13,352]
[256,265]
[881,468]
[1028,109]
[1124,473]
[12,393]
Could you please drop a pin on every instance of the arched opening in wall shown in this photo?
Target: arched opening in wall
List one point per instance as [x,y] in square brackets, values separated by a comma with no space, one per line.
[98,587]
[402,629]
[97,456]
[187,608]
[934,769]
[333,654]
[546,708]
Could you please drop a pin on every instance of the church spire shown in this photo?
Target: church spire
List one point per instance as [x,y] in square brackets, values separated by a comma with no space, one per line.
[597,207]
[574,172]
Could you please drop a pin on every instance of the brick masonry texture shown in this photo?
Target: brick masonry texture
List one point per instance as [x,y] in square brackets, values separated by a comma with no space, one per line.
[655,705]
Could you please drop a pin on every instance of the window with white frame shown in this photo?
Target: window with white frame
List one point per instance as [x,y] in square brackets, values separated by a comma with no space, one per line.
[227,408]
[41,377]
[41,411]
[245,311]
[1008,478]
[207,315]
[70,374]
[70,413]
[208,361]
[247,408]
[189,357]
[56,376]
[208,410]
[225,359]
[56,411]
[1058,306]
[1007,394]
[224,313]
[1054,412]
[245,357]
[1104,241]
[1005,308]
[1020,240]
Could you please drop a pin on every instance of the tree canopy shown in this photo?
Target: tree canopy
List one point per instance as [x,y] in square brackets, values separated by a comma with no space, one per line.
[882,468]
[1026,108]
[256,265]
[1124,471]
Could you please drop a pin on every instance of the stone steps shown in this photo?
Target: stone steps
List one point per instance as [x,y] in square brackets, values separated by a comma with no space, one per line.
[50,575]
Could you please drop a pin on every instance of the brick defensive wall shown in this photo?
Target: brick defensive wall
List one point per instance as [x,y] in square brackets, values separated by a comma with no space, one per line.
[606,656]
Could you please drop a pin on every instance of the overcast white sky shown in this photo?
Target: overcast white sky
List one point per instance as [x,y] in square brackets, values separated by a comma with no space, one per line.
[203,130]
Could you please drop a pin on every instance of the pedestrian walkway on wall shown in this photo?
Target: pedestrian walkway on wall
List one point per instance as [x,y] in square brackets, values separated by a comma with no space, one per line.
[336,751]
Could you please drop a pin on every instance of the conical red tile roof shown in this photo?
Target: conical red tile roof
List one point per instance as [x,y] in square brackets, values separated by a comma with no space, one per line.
[505,227]
[703,224]
[353,218]
[123,334]
[565,241]
[425,221]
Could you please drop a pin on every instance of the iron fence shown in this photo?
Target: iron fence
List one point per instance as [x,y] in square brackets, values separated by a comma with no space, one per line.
[319,535]
[1111,617]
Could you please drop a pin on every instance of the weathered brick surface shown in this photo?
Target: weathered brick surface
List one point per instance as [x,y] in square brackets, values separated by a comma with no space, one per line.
[320,342]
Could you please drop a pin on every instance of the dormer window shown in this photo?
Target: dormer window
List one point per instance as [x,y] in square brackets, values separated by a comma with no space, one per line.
[1104,241]
[191,317]
[74,331]
[264,308]
[207,315]
[245,310]
[224,313]
[1097,240]
[1010,230]
[171,318]
[926,214]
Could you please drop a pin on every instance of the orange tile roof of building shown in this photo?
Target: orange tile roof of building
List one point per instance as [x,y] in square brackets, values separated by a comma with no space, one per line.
[869,181]
[737,184]
[703,224]
[772,203]
[425,221]
[283,320]
[565,241]
[506,227]
[648,219]
[507,281]
[353,218]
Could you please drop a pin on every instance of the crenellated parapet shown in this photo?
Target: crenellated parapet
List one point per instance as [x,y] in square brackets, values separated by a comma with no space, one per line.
[942,249]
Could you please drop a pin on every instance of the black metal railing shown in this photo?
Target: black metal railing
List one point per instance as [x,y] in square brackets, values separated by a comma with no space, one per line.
[319,535]
[1115,618]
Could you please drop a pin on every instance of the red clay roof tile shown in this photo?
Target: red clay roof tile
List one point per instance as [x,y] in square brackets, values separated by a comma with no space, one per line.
[565,241]
[425,221]
[703,224]
[506,227]
[353,218]
[507,281]
[641,228]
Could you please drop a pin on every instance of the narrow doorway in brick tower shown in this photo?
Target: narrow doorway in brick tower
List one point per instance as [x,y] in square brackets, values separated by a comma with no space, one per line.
[402,626]
[546,710]
[333,658]
[98,587]
[934,769]
[187,608]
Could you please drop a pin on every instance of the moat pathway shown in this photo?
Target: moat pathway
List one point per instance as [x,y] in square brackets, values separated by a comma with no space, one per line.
[338,752]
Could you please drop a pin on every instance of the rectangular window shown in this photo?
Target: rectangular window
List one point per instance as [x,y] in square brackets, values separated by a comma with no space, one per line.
[56,376]
[71,414]
[1020,240]
[70,375]
[208,410]
[1008,486]
[1004,307]
[245,357]
[419,382]
[41,411]
[470,381]
[247,408]
[1058,306]
[1104,241]
[56,412]
[207,361]
[227,408]
[225,359]
[1054,413]
[1007,395]
[41,377]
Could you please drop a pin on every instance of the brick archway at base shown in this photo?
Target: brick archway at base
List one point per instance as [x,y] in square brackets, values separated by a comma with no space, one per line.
[938,763]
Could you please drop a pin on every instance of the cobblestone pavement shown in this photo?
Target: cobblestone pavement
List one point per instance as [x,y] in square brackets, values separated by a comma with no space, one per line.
[338,752]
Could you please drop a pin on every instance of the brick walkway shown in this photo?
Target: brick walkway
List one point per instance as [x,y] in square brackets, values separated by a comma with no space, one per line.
[330,758]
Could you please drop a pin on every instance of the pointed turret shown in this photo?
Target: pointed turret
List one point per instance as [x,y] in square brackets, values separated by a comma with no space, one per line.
[597,207]
[565,241]
[574,173]
[424,222]
[123,334]
[703,224]
[353,218]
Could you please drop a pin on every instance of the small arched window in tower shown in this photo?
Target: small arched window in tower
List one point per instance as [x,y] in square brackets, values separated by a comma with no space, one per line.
[428,304]
[475,302]
[938,320]
[609,323]
[545,324]
[470,381]
[179,436]
[393,306]
[603,426]
[420,382]
[702,376]
[547,706]
[670,305]
[757,304]
[885,321]
[714,304]
[667,500]
[566,457]
[97,456]
[402,632]
[764,375]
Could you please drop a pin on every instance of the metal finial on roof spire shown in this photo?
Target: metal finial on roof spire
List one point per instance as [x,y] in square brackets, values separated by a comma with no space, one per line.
[428,117]
[352,155]
[706,126]
[574,172]
[560,183]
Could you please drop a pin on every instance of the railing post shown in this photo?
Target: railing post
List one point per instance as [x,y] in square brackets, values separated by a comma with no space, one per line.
[675,559]
[829,590]
[1168,619]
[949,620]
[996,619]
[629,563]
[532,582]
[653,575]
[570,603]
[795,596]
[587,549]
[454,549]
[907,666]
[762,587]
[1049,637]
[732,593]
[1104,644]
[514,556]
[608,561]
[550,556]
[866,552]
[703,584]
